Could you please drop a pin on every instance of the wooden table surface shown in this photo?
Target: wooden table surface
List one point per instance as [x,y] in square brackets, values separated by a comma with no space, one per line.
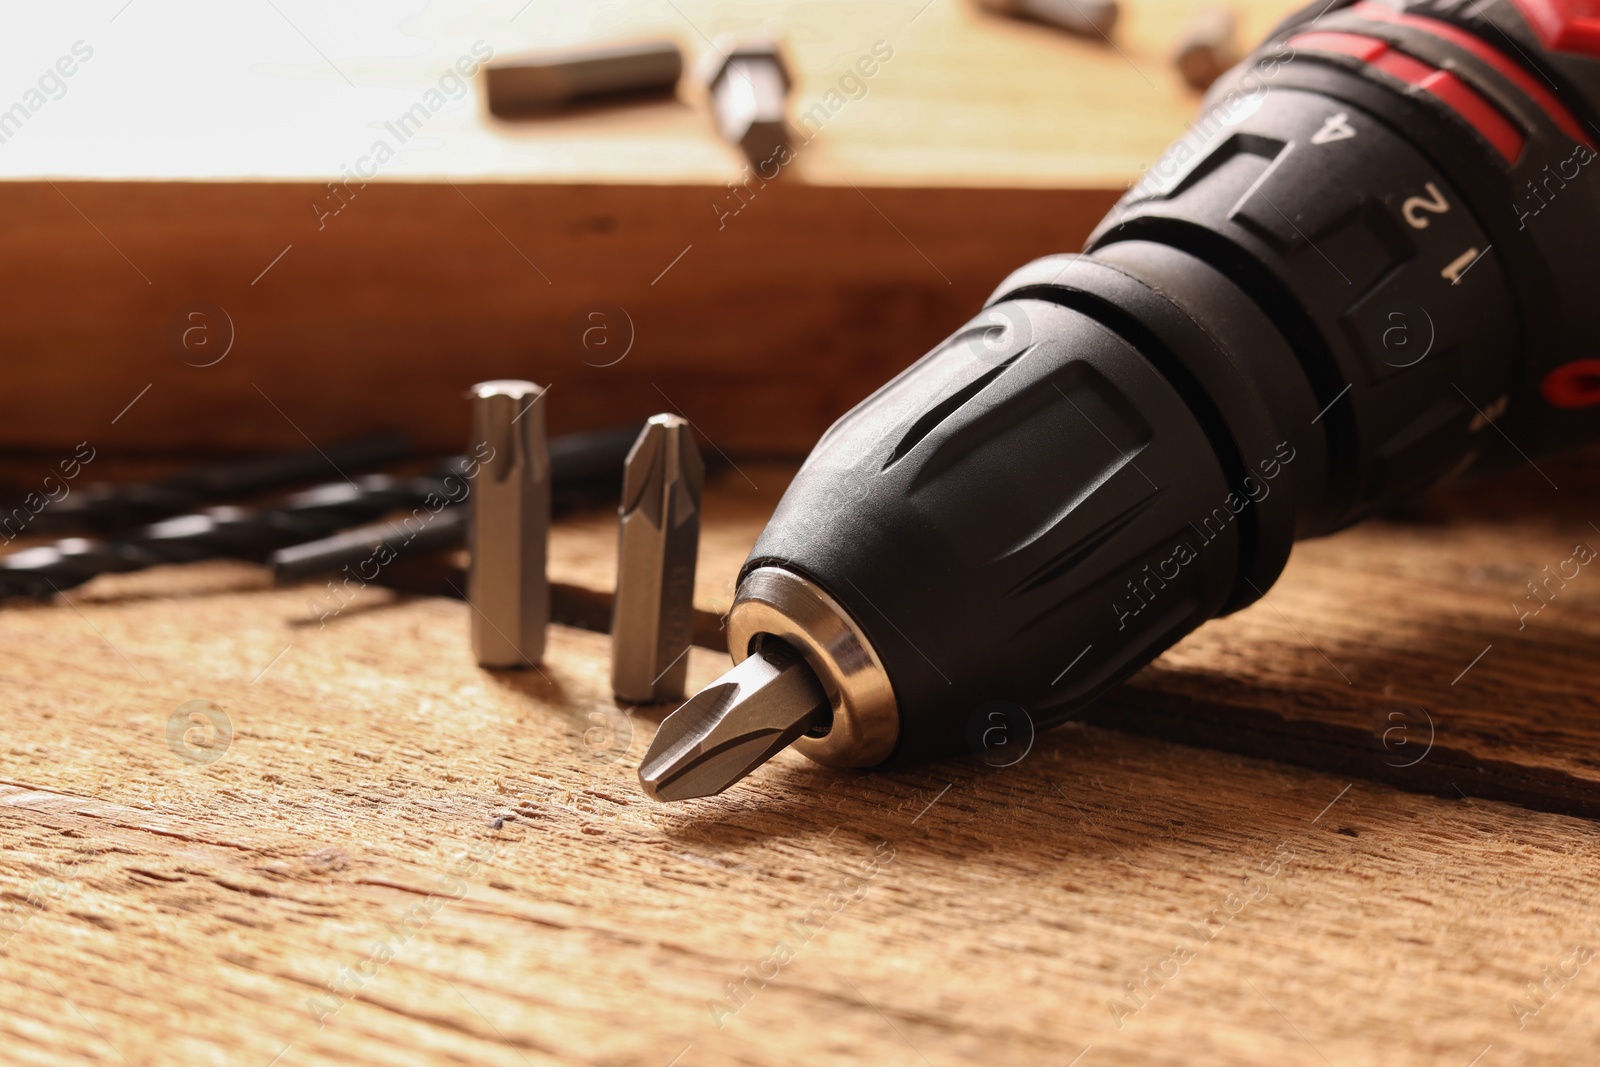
[400,859]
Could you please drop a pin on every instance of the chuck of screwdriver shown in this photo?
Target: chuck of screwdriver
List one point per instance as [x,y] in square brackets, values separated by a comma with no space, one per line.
[510,525]
[653,618]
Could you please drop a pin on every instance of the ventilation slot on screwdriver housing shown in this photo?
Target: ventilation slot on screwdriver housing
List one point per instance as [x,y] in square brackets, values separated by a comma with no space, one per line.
[945,408]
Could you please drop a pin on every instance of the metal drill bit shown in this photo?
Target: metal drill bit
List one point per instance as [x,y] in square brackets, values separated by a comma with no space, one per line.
[533,85]
[749,85]
[108,507]
[230,532]
[734,725]
[510,525]
[426,532]
[652,622]
[1089,18]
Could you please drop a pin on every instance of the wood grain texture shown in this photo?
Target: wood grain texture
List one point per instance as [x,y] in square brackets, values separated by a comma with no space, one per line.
[400,859]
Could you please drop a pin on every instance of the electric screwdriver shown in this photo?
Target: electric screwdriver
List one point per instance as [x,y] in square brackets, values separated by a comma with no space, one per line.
[1371,265]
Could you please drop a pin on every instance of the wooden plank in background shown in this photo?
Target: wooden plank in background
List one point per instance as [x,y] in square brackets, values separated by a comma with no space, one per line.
[182,90]
[186,162]
[762,330]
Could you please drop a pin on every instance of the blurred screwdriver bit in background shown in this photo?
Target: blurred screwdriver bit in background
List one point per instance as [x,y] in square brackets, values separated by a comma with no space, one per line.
[653,618]
[1088,18]
[748,84]
[510,524]
[1207,49]
[540,84]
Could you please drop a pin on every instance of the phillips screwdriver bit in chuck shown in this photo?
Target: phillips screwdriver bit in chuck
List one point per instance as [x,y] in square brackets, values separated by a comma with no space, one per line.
[1126,443]
[652,623]
[510,525]
[735,725]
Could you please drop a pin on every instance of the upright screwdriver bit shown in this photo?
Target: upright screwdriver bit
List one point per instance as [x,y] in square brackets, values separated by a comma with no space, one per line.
[510,526]
[653,617]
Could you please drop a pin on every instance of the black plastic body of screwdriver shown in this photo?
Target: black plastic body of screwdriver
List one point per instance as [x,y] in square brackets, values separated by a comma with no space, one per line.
[1372,265]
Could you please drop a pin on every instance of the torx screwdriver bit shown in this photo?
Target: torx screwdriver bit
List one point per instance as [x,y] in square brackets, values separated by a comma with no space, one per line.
[734,725]
[652,622]
[1088,18]
[538,84]
[510,524]
[748,83]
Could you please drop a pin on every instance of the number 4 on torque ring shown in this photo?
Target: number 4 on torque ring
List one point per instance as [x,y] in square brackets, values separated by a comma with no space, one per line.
[1336,128]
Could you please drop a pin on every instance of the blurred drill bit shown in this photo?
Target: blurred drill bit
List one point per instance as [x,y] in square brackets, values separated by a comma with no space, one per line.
[293,536]
[105,507]
[231,532]
[510,524]
[749,85]
[431,532]
[734,725]
[653,619]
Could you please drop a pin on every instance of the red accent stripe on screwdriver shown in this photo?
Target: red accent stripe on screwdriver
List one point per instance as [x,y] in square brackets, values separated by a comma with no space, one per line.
[1513,73]
[1481,115]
